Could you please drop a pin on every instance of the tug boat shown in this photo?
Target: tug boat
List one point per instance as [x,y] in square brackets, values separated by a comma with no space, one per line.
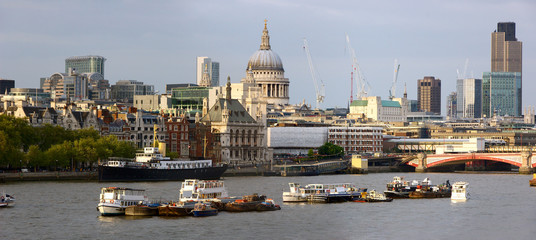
[6,200]
[204,210]
[268,205]
[459,192]
[372,196]
[114,200]
[399,188]
[432,191]
[246,204]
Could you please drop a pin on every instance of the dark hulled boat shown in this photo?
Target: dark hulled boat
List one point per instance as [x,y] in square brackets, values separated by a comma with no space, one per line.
[152,166]
[141,210]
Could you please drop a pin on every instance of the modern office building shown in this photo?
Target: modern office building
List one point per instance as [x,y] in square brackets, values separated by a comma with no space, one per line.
[70,85]
[501,94]
[170,87]
[469,98]
[502,87]
[452,100]
[85,64]
[6,85]
[376,109]
[429,95]
[124,90]
[506,51]
[189,99]
[212,68]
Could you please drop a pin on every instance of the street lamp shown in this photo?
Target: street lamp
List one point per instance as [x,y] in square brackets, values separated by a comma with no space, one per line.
[56,168]
[20,165]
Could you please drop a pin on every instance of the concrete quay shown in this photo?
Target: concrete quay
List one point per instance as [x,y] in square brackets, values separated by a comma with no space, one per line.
[48,176]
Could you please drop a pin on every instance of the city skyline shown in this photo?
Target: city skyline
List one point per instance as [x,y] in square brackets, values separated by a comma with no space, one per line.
[428,39]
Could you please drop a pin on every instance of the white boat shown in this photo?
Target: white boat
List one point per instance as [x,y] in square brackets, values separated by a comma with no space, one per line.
[114,200]
[335,192]
[459,192]
[194,190]
[6,200]
[296,194]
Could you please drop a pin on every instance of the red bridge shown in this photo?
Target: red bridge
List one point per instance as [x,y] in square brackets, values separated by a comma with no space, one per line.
[422,161]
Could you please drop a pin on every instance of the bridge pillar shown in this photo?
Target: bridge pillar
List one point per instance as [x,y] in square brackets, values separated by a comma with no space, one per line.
[526,157]
[422,162]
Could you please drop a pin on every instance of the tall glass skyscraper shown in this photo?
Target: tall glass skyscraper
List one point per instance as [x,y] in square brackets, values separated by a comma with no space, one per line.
[469,98]
[501,93]
[85,64]
[213,69]
[502,87]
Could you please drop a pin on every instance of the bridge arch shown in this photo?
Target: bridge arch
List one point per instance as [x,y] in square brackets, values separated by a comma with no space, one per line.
[464,159]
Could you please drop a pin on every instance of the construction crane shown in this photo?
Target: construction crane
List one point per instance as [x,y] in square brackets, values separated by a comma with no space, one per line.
[464,75]
[319,89]
[362,84]
[392,92]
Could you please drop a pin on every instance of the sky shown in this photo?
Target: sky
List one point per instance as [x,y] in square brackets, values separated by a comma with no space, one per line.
[157,42]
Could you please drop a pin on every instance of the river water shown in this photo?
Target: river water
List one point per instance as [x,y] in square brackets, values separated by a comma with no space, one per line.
[501,207]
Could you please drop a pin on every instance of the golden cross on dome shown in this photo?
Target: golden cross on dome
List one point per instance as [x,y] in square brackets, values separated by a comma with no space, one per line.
[265,22]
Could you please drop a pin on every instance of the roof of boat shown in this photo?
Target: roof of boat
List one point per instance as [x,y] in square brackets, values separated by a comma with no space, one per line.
[123,188]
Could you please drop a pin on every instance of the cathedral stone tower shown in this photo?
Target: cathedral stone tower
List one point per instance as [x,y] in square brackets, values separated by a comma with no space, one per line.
[268,72]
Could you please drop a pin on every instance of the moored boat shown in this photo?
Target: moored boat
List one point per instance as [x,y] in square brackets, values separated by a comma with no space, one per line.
[459,192]
[195,190]
[114,200]
[151,165]
[6,200]
[532,182]
[246,204]
[204,210]
[174,210]
[400,188]
[296,193]
[268,205]
[373,196]
[142,210]
[432,191]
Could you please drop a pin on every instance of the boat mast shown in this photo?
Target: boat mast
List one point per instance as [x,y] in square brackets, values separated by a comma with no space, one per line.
[154,135]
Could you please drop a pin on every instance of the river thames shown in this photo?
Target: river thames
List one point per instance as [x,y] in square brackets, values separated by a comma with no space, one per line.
[501,207]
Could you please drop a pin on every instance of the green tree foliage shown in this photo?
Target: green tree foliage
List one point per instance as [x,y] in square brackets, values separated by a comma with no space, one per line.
[310,153]
[330,149]
[35,157]
[53,146]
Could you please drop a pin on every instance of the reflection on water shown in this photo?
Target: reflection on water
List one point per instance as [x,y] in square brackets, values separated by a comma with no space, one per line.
[501,206]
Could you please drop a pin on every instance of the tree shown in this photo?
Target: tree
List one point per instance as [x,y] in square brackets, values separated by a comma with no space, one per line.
[35,157]
[330,149]
[59,155]
[310,153]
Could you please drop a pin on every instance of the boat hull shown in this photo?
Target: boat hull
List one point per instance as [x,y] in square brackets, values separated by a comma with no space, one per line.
[107,174]
[396,194]
[288,197]
[419,194]
[174,211]
[110,210]
[205,213]
[141,211]
[532,182]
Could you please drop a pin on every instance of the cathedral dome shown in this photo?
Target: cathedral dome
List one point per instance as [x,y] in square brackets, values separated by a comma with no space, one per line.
[265,58]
